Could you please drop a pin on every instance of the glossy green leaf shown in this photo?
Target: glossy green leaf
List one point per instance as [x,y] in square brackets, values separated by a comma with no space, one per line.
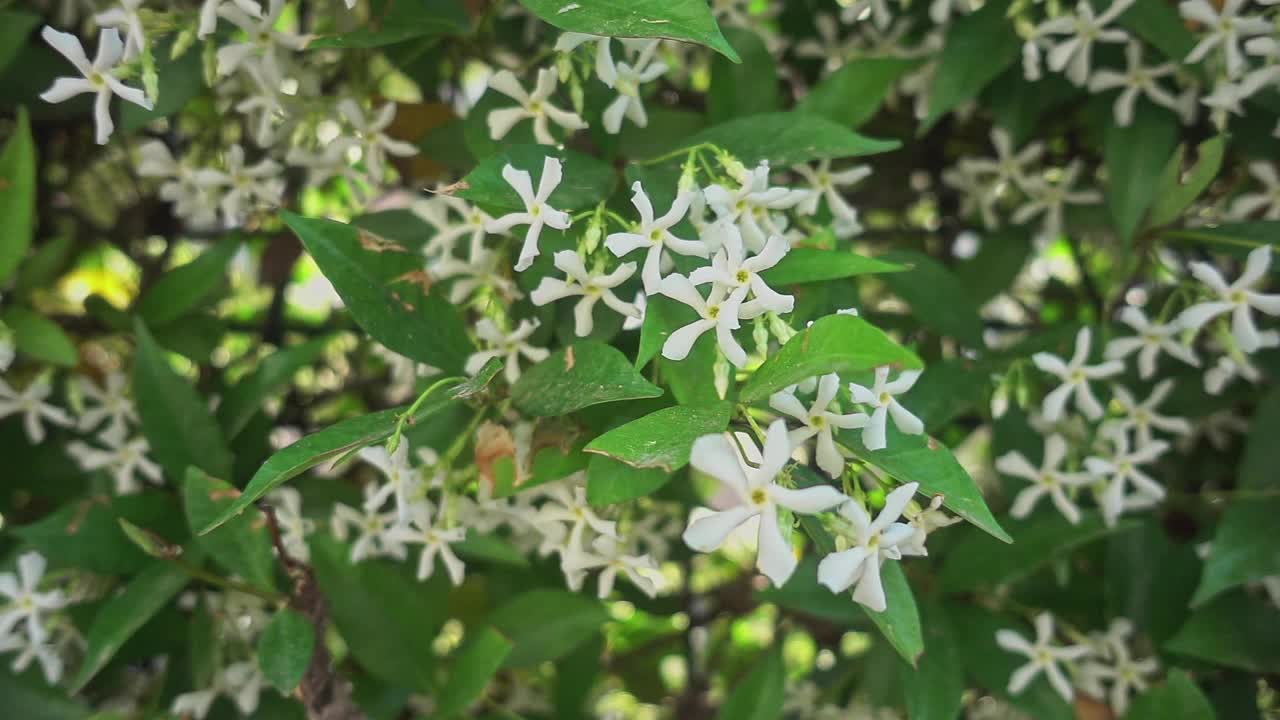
[17,194]
[122,616]
[802,593]
[547,624]
[285,649]
[1176,192]
[1257,469]
[274,372]
[241,545]
[611,481]
[382,287]
[760,694]
[810,265]
[900,622]
[686,20]
[1177,699]
[87,534]
[388,619]
[40,338]
[175,419]
[585,181]
[1160,24]
[936,687]
[853,94]
[1135,157]
[1237,630]
[187,287]
[664,438]
[474,665]
[977,48]
[835,343]
[1244,547]
[401,21]
[743,88]
[979,560]
[692,380]
[581,375]
[788,138]
[938,299]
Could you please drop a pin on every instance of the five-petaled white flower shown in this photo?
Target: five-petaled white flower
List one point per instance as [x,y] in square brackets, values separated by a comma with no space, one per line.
[1044,657]
[882,396]
[1111,662]
[732,269]
[818,421]
[435,541]
[536,106]
[402,480]
[261,38]
[871,543]
[1238,298]
[536,210]
[1226,28]
[1267,199]
[26,603]
[123,458]
[371,138]
[1047,198]
[508,346]
[125,18]
[719,310]
[1084,28]
[1120,469]
[655,234]
[1137,78]
[1151,338]
[611,557]
[629,78]
[751,476]
[96,77]
[1075,377]
[750,205]
[31,403]
[1047,480]
[1141,417]
[825,184]
[592,287]
[110,402]
[372,526]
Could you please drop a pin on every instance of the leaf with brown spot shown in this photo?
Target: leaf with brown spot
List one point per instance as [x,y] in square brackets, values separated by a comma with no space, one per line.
[418,277]
[376,243]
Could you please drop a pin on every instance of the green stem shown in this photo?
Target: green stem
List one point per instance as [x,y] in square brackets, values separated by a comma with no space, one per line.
[393,442]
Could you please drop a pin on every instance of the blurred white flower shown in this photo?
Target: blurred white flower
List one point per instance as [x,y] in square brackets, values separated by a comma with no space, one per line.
[1049,480]
[1044,657]
[1075,376]
[31,403]
[509,347]
[536,106]
[1239,298]
[1149,341]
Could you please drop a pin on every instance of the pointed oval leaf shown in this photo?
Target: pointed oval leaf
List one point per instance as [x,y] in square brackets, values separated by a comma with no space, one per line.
[685,20]
[581,375]
[242,545]
[285,649]
[788,138]
[17,194]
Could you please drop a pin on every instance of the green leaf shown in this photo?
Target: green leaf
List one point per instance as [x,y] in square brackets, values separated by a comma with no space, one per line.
[585,181]
[835,343]
[40,338]
[685,20]
[87,535]
[810,265]
[788,138]
[1237,237]
[1150,579]
[45,265]
[581,375]
[802,593]
[938,298]
[1244,547]
[853,94]
[148,542]
[742,88]
[1177,699]
[17,194]
[1135,156]
[949,389]
[900,622]
[1173,195]
[275,371]
[978,560]
[175,419]
[978,47]
[15,28]
[936,687]
[759,695]
[285,649]
[544,625]
[188,287]
[1262,453]
[336,441]
[401,21]
[692,380]
[611,481]
[27,697]
[382,286]
[1236,630]
[489,548]
[242,545]
[474,666]
[121,616]
[1159,23]
[388,619]
[1000,258]
[664,438]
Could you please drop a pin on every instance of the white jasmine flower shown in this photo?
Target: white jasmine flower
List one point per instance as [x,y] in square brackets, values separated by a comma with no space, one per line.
[507,346]
[1115,665]
[485,269]
[1008,167]
[568,504]
[31,403]
[25,603]
[1267,199]
[825,184]
[29,649]
[630,76]
[591,287]
[719,310]
[749,206]
[923,522]
[1225,100]
[1141,417]
[1122,468]
[751,476]
[191,201]
[110,402]
[536,210]
[241,682]
[606,71]
[828,46]
[371,138]
[294,526]
[1047,199]
[435,211]
[818,420]
[871,543]
[882,396]
[123,458]
[1136,79]
[741,275]
[1075,377]
[1226,27]
[1238,298]
[1229,367]
[1047,480]
[402,480]
[262,39]
[655,234]
[536,106]
[97,77]
[978,193]
[637,321]
[244,187]
[373,538]
[434,541]
[125,18]
[1148,342]
[209,14]
[609,555]
[1044,657]
[1073,54]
